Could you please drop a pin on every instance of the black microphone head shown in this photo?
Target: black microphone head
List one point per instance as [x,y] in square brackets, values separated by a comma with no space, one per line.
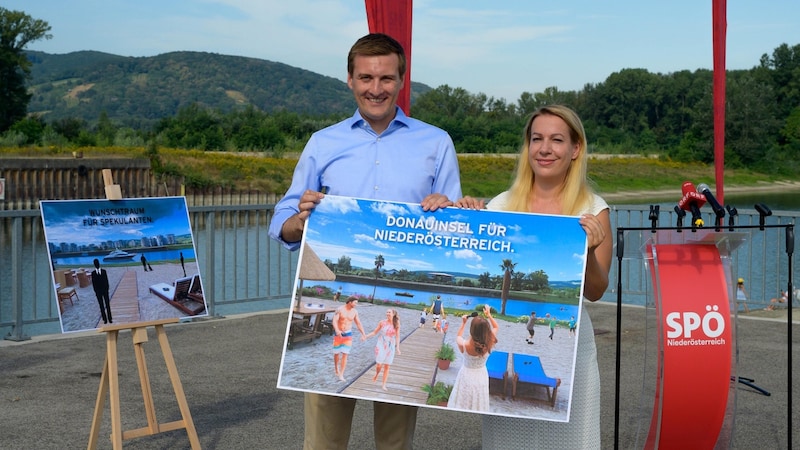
[474,314]
[763,209]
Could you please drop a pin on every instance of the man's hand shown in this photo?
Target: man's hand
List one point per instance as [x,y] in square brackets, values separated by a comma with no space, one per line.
[435,201]
[292,230]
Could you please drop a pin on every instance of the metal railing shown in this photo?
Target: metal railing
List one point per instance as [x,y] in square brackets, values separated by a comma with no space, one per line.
[243,270]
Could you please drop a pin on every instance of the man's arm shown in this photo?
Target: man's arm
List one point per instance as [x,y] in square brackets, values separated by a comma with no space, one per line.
[336,317]
[291,212]
[358,324]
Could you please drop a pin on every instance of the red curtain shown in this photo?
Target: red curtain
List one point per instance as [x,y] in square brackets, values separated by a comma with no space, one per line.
[719,30]
[393,17]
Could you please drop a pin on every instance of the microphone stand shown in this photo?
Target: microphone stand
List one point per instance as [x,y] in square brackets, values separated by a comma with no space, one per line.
[789,300]
[620,253]
[681,214]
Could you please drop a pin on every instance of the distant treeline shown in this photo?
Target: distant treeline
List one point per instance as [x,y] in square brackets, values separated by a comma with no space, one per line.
[632,112]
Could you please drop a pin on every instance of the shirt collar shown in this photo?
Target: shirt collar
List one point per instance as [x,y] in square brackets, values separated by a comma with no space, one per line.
[400,120]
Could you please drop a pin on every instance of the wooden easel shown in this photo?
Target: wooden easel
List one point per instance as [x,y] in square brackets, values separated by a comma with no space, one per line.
[109,382]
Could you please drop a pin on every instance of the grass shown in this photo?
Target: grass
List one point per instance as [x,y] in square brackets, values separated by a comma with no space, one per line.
[482,176]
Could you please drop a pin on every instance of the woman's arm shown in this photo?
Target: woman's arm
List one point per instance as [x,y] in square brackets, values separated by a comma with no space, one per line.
[459,339]
[487,311]
[397,340]
[598,258]
[373,333]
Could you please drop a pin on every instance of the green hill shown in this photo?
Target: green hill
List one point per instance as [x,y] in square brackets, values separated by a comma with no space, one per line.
[140,90]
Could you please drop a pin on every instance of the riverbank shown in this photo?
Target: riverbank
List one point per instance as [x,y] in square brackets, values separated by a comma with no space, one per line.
[672,194]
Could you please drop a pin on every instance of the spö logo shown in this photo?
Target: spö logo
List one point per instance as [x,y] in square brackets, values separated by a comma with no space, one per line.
[683,324]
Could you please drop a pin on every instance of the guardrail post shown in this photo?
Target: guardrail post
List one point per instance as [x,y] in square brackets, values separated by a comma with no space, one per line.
[16,333]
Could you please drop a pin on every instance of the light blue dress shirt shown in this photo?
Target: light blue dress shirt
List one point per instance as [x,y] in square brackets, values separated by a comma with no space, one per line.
[408,161]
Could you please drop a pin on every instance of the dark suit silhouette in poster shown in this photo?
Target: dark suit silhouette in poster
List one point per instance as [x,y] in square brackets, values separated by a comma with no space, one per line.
[100,285]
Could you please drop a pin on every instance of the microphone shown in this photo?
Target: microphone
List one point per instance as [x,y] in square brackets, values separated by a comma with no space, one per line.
[702,188]
[692,201]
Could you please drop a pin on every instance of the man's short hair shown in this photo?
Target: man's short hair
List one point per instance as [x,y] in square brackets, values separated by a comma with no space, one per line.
[377,44]
[350,299]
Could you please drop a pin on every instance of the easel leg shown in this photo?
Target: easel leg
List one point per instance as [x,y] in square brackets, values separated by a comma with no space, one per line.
[99,404]
[109,381]
[139,338]
[113,386]
[177,387]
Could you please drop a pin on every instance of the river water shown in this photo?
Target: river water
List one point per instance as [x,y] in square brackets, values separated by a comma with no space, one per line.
[450,301]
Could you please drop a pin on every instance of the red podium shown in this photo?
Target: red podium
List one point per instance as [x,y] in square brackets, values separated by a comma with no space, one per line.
[693,309]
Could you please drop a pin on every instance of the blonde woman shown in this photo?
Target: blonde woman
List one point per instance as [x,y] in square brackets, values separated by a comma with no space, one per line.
[388,332]
[551,179]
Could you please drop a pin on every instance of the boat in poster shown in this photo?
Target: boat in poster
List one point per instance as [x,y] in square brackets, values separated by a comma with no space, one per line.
[119,255]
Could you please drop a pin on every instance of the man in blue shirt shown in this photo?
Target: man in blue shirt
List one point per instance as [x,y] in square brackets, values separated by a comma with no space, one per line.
[379,154]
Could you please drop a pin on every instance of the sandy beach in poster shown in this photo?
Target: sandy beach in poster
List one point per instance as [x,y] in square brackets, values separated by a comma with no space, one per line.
[308,366]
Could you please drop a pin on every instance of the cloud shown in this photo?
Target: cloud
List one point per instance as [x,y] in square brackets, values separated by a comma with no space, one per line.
[336,204]
[390,209]
[361,238]
[467,254]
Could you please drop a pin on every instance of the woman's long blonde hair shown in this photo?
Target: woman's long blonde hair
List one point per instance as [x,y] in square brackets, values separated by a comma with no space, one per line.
[576,193]
[395,320]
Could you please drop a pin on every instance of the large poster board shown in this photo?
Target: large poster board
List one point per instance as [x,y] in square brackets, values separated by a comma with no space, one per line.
[144,246]
[394,256]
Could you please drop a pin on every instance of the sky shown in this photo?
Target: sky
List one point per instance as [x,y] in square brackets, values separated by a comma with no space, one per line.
[500,48]
[88,222]
[359,229]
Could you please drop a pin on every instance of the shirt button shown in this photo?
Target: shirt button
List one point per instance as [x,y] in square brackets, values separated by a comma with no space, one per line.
[375,188]
[377,163]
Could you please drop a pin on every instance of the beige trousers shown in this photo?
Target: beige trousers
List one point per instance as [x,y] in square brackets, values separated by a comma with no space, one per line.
[328,420]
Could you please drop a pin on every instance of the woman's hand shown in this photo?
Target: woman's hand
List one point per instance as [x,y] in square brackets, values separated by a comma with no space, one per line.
[470,203]
[487,310]
[594,230]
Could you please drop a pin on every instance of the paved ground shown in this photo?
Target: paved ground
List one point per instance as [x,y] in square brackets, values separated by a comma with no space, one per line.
[229,366]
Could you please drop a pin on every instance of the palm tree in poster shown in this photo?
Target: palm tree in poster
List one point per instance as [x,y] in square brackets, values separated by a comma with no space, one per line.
[379,262]
[508,268]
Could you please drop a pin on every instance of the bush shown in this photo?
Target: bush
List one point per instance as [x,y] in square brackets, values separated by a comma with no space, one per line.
[439,393]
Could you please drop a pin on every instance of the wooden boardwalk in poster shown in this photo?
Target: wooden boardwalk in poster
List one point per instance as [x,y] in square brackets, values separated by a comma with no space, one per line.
[125,299]
[409,371]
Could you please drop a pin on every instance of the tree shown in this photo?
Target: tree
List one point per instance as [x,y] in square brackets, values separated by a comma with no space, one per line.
[344,264]
[379,262]
[17,30]
[485,280]
[508,270]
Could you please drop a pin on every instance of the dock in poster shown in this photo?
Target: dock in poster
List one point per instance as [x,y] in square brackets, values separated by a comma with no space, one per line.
[394,257]
[122,261]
